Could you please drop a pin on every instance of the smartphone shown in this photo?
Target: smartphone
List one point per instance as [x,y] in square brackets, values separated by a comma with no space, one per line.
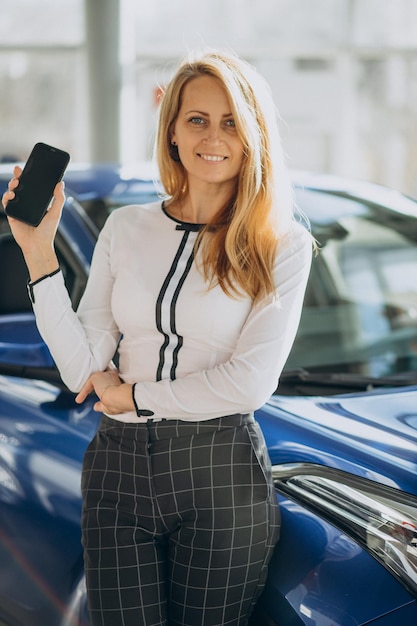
[44,168]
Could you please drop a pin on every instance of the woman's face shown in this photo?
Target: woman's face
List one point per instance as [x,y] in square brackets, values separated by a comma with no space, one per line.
[205,133]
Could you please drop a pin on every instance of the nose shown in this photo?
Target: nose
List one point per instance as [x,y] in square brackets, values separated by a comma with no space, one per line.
[213,134]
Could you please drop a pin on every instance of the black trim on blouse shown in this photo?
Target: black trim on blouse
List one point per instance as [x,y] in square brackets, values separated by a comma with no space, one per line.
[30,285]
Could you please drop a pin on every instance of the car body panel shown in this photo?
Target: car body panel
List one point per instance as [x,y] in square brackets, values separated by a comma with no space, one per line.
[373,435]
[43,434]
[20,341]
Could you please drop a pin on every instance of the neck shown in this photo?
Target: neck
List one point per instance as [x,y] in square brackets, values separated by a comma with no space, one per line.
[200,208]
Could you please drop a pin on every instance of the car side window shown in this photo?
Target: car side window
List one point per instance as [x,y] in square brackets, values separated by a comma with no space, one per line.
[14,276]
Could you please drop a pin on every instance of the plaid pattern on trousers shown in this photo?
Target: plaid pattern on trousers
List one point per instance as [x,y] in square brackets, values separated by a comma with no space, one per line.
[179,522]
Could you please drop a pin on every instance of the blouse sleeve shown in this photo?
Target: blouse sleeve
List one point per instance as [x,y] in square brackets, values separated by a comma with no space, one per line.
[250,376]
[85,342]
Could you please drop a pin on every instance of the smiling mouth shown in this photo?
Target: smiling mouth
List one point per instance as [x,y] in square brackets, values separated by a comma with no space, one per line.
[212,157]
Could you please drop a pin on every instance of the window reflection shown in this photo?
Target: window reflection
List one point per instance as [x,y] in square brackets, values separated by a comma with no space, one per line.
[360,312]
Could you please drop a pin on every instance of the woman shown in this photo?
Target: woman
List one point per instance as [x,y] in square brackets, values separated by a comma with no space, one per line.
[205,290]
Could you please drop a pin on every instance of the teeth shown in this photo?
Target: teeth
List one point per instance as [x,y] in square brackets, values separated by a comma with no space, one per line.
[209,157]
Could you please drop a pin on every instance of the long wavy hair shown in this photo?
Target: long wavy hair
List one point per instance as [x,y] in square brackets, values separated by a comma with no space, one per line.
[240,242]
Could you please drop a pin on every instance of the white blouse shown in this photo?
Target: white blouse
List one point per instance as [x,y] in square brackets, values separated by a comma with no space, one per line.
[194,353]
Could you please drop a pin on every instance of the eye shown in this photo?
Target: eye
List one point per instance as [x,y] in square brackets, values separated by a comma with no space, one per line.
[196,120]
[231,123]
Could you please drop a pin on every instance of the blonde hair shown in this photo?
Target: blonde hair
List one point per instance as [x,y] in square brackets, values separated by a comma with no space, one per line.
[240,249]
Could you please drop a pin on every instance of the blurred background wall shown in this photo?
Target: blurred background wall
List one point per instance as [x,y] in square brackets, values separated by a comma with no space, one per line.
[85,75]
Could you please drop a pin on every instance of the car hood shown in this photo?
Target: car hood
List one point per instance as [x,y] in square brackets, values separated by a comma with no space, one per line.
[373,434]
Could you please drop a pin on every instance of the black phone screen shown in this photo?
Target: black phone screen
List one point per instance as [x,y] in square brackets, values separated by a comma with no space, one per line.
[44,168]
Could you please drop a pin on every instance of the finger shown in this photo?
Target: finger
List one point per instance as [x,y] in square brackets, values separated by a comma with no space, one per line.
[13,183]
[84,392]
[7,196]
[57,204]
[80,397]
[59,195]
[59,190]
[100,407]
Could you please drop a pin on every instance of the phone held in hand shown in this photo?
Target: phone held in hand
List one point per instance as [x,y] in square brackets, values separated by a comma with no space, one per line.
[44,168]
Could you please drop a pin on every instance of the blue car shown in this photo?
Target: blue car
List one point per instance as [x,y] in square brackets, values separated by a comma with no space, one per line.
[341,429]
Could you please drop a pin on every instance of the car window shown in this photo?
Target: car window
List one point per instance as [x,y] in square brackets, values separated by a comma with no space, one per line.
[360,313]
[14,276]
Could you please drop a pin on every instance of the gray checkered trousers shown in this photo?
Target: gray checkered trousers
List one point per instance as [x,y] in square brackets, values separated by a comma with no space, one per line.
[179,522]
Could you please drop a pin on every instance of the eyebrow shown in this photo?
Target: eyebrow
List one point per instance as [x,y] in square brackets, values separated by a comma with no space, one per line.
[206,114]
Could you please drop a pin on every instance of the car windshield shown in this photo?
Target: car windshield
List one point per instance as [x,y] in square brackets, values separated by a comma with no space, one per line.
[360,313]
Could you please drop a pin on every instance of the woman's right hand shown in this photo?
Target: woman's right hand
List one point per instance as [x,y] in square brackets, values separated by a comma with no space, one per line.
[37,243]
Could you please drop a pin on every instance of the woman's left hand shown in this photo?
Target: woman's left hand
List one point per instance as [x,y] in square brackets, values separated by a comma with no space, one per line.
[114,395]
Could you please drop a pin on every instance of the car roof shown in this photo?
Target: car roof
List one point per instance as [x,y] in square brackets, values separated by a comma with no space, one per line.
[361,190]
